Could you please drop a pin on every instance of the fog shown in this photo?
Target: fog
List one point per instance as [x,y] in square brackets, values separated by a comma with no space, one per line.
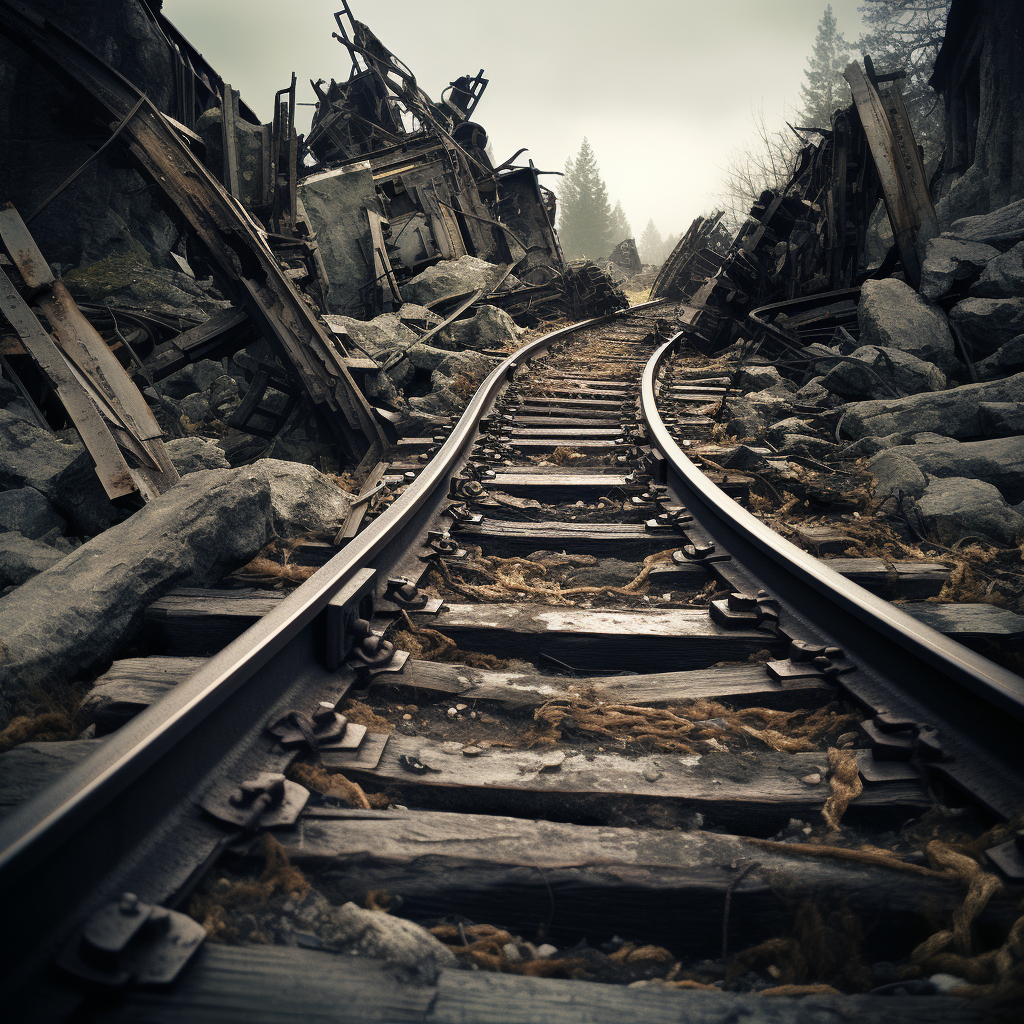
[664,90]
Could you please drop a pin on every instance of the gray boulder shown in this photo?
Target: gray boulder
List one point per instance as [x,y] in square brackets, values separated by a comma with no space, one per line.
[21,558]
[895,474]
[988,324]
[24,509]
[954,507]
[381,936]
[1001,228]
[192,454]
[1003,277]
[301,497]
[489,327]
[190,379]
[999,461]
[223,396]
[426,357]
[377,337]
[949,260]
[474,365]
[1008,358]
[205,526]
[751,379]
[877,369]
[63,473]
[418,317]
[791,425]
[1002,419]
[196,408]
[892,315]
[955,412]
[814,393]
[449,278]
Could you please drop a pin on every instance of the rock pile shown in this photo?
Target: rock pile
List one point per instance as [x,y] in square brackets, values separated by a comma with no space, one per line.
[933,392]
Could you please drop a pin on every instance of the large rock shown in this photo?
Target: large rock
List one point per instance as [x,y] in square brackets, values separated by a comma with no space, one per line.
[372,933]
[192,454]
[377,337]
[999,462]
[1003,277]
[74,616]
[877,367]
[954,507]
[988,324]
[1007,359]
[21,558]
[955,412]
[32,457]
[1002,419]
[189,379]
[450,278]
[951,260]
[302,497]
[896,475]
[26,510]
[488,327]
[892,315]
[251,145]
[751,379]
[1001,228]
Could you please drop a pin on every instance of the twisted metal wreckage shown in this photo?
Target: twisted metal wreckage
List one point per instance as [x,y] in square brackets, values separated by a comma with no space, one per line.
[386,184]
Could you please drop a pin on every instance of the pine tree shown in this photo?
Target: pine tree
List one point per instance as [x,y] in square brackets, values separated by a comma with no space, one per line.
[620,226]
[905,35]
[825,90]
[651,245]
[667,246]
[585,226]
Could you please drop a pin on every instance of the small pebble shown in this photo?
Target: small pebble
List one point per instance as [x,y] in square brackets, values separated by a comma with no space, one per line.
[512,954]
[546,951]
[652,774]
[460,707]
[580,504]
[472,751]
[551,762]
[847,739]
[690,760]
[451,747]
[452,713]
[811,780]
[406,718]
[472,714]
[944,982]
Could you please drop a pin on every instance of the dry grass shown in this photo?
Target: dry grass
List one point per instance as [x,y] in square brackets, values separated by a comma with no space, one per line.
[48,716]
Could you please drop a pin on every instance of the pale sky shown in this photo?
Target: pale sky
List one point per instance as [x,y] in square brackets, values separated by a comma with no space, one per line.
[664,90]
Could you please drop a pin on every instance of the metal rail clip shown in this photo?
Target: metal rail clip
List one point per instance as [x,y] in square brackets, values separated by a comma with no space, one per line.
[129,942]
[266,801]
[745,611]
[900,739]
[809,661]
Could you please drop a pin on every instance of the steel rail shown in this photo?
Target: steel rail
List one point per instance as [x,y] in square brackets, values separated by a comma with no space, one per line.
[937,676]
[59,850]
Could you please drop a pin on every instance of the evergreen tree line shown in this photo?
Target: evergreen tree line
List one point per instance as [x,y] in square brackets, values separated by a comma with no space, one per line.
[588,225]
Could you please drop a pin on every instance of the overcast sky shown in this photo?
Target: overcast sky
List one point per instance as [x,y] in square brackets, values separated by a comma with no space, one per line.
[663,89]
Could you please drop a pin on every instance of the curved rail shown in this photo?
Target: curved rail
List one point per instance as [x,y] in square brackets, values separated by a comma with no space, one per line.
[937,672]
[58,849]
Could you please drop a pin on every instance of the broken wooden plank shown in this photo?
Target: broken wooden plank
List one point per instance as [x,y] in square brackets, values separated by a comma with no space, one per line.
[982,627]
[654,639]
[111,468]
[261,984]
[22,249]
[356,512]
[736,685]
[193,622]
[626,881]
[909,579]
[224,333]
[749,795]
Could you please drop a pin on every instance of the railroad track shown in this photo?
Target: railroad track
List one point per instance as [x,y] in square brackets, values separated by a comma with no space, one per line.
[620,726]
